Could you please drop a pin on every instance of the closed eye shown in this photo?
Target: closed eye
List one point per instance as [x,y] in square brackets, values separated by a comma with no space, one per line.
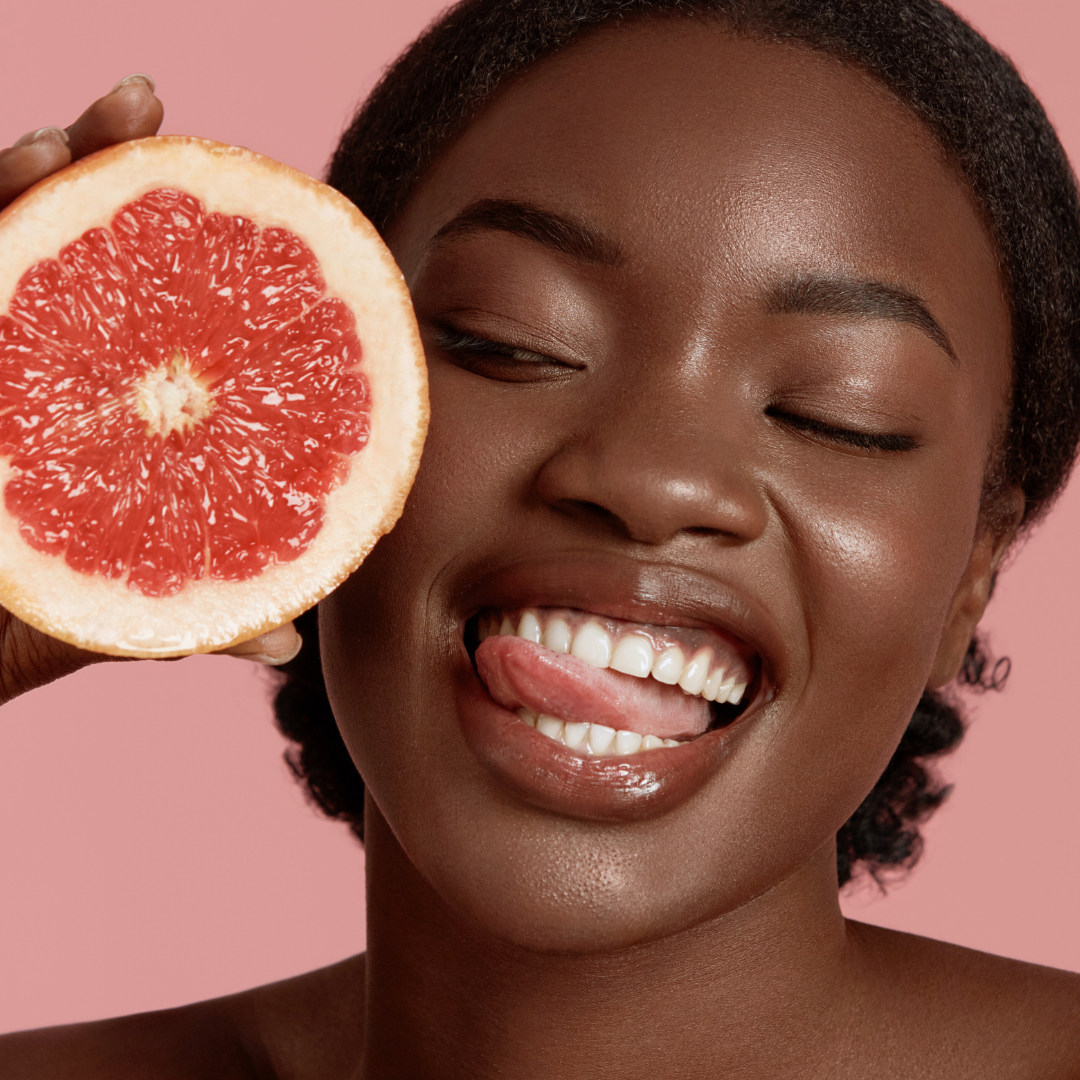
[499,360]
[863,440]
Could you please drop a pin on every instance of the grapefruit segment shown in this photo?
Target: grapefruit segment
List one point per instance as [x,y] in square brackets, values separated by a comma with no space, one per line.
[212,397]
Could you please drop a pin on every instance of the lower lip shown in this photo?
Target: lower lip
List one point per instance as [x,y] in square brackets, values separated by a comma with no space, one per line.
[551,776]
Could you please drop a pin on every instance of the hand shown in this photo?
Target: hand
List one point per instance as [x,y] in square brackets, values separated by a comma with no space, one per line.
[28,658]
[129,111]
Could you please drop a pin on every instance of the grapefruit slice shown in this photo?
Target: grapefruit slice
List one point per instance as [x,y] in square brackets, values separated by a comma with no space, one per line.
[213,397]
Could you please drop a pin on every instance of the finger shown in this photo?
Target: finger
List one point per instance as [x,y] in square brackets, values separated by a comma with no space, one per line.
[129,111]
[278,646]
[31,159]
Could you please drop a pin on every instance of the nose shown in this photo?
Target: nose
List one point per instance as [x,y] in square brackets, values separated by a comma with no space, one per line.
[655,464]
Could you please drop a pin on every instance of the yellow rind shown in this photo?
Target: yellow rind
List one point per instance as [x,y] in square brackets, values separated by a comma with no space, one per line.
[205,617]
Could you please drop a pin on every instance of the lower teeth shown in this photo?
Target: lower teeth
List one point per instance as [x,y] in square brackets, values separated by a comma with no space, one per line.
[594,739]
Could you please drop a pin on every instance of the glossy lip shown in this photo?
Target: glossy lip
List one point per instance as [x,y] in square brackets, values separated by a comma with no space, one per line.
[632,590]
[648,784]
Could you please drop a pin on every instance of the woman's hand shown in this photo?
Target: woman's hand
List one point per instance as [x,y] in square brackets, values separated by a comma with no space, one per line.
[129,111]
[28,658]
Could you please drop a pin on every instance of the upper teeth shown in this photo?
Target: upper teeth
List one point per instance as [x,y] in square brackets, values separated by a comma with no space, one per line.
[631,654]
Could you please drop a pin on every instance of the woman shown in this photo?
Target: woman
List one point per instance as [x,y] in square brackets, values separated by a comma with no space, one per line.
[752,334]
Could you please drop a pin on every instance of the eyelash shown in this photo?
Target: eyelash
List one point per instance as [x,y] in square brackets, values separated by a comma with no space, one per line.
[454,341]
[863,440]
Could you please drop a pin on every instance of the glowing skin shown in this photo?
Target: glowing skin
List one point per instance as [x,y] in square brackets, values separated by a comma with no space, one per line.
[647,468]
[656,466]
[659,468]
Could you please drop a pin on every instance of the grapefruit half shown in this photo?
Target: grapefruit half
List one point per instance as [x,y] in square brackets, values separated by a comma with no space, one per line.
[213,397]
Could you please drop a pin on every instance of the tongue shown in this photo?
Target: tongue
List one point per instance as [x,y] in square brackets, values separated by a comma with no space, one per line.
[520,673]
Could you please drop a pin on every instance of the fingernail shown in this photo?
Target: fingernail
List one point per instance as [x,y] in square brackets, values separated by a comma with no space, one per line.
[272,640]
[42,133]
[137,78]
[261,658]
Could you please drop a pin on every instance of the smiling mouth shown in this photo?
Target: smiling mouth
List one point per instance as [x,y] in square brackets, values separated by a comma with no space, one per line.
[604,687]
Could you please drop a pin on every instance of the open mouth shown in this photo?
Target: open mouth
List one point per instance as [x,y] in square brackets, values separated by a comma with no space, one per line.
[604,687]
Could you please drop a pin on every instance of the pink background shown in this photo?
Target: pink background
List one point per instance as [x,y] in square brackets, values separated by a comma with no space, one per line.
[153,849]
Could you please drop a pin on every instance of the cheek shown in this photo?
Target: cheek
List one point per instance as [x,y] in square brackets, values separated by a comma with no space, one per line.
[878,566]
[389,637]
[475,461]
[883,587]
[871,574]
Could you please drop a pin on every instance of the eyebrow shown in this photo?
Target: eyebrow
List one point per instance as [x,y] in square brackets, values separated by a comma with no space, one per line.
[574,238]
[807,294]
[814,294]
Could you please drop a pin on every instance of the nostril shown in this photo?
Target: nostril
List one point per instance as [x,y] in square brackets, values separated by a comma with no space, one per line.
[637,492]
[582,508]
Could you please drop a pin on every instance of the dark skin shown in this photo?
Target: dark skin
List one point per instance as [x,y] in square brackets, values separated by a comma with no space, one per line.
[702,450]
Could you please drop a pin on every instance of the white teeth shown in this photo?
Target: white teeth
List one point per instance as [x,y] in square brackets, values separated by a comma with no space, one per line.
[557,636]
[600,738]
[668,667]
[696,672]
[593,645]
[575,734]
[633,656]
[630,654]
[713,684]
[723,693]
[529,628]
[550,726]
[596,739]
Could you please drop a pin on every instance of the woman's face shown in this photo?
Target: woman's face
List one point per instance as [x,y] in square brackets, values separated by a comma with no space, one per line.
[754,355]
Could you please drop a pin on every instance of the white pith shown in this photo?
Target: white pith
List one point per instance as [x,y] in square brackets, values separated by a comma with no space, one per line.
[171,398]
[96,613]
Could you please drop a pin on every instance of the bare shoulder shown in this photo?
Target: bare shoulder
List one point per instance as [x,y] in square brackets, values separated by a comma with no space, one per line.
[310,1026]
[307,1028]
[989,1016]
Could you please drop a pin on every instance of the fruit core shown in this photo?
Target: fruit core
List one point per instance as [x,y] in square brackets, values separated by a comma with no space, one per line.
[172,398]
[179,394]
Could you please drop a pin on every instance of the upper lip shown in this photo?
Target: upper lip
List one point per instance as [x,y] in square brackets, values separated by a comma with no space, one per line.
[634,590]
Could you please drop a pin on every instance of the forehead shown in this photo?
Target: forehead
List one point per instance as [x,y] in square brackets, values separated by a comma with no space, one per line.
[712,158]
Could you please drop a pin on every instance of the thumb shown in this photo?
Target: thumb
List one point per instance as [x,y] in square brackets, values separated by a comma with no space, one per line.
[277,646]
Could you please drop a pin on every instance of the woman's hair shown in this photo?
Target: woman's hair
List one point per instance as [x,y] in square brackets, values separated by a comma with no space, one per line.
[990,124]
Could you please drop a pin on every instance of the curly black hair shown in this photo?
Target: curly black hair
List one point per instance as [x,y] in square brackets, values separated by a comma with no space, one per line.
[990,124]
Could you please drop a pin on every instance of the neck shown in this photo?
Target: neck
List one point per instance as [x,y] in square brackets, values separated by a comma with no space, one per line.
[762,989]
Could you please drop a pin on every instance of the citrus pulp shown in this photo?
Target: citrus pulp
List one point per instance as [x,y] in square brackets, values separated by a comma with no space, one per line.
[212,397]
